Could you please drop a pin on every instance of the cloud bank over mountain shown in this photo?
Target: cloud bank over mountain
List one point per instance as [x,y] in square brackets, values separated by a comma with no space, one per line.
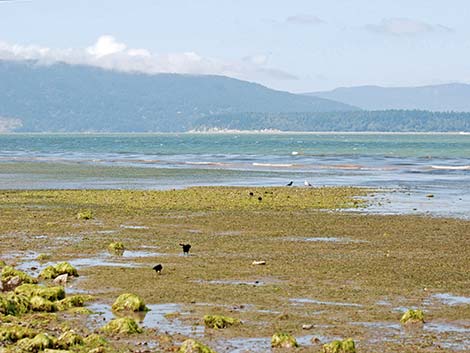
[109,53]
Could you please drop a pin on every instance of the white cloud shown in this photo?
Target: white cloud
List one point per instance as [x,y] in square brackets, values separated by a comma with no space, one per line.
[405,26]
[109,53]
[304,19]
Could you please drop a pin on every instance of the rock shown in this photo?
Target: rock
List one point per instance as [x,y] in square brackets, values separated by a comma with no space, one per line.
[1,286]
[412,317]
[12,283]
[307,327]
[9,272]
[61,280]
[345,346]
[129,302]
[124,325]
[259,262]
[192,346]
[61,268]
[283,340]
[219,321]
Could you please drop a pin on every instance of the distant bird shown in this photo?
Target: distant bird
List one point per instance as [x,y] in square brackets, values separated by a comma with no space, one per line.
[260,198]
[306,183]
[290,184]
[251,193]
[158,268]
[186,248]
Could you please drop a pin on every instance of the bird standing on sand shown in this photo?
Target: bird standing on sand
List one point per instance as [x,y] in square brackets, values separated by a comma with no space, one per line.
[290,184]
[306,183]
[186,248]
[158,268]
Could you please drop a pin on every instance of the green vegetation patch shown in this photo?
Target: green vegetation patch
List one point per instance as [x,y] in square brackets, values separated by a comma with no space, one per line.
[9,272]
[283,340]
[69,339]
[129,302]
[14,304]
[37,343]
[73,301]
[220,321]
[123,325]
[41,304]
[51,272]
[116,247]
[193,346]
[49,293]
[12,332]
[412,317]
[85,214]
[345,346]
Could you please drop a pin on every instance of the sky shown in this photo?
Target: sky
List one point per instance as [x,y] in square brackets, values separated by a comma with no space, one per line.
[296,45]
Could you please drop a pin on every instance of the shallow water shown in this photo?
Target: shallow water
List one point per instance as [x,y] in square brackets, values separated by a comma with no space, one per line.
[153,319]
[414,164]
[297,301]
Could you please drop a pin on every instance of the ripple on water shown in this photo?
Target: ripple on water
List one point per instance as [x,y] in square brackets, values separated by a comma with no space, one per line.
[450,299]
[320,302]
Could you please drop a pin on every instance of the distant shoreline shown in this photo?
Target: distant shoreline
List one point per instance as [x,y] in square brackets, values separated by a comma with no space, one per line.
[252,132]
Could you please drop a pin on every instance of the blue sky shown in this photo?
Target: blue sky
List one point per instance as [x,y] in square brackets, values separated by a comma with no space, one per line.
[291,45]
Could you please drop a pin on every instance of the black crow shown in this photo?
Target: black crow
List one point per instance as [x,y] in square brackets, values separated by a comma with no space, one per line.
[290,184]
[260,198]
[158,268]
[186,248]
[251,193]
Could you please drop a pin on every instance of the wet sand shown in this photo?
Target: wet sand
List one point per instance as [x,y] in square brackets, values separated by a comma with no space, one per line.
[346,274]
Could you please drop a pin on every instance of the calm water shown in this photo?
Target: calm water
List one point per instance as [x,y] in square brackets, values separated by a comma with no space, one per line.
[413,164]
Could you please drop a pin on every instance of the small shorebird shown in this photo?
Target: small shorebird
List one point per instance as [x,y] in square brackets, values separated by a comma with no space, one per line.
[158,268]
[186,248]
[290,183]
[306,183]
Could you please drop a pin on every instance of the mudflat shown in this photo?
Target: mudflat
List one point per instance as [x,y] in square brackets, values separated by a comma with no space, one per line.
[329,274]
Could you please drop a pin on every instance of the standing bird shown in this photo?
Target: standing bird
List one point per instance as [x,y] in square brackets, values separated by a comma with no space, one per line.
[306,183]
[290,184]
[186,248]
[158,268]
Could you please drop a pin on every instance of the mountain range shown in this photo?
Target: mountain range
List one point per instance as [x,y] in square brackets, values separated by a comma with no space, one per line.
[440,98]
[62,97]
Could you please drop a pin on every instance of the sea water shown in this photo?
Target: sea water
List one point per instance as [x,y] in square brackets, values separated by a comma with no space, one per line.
[413,166]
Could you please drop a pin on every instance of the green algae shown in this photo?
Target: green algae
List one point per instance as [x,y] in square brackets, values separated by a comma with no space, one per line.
[8,272]
[14,304]
[51,272]
[43,257]
[193,346]
[95,340]
[79,311]
[219,321]
[69,339]
[123,325]
[116,247]
[412,317]
[283,340]
[49,293]
[2,263]
[12,332]
[129,302]
[37,343]
[345,346]
[73,301]
[41,304]
[85,215]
